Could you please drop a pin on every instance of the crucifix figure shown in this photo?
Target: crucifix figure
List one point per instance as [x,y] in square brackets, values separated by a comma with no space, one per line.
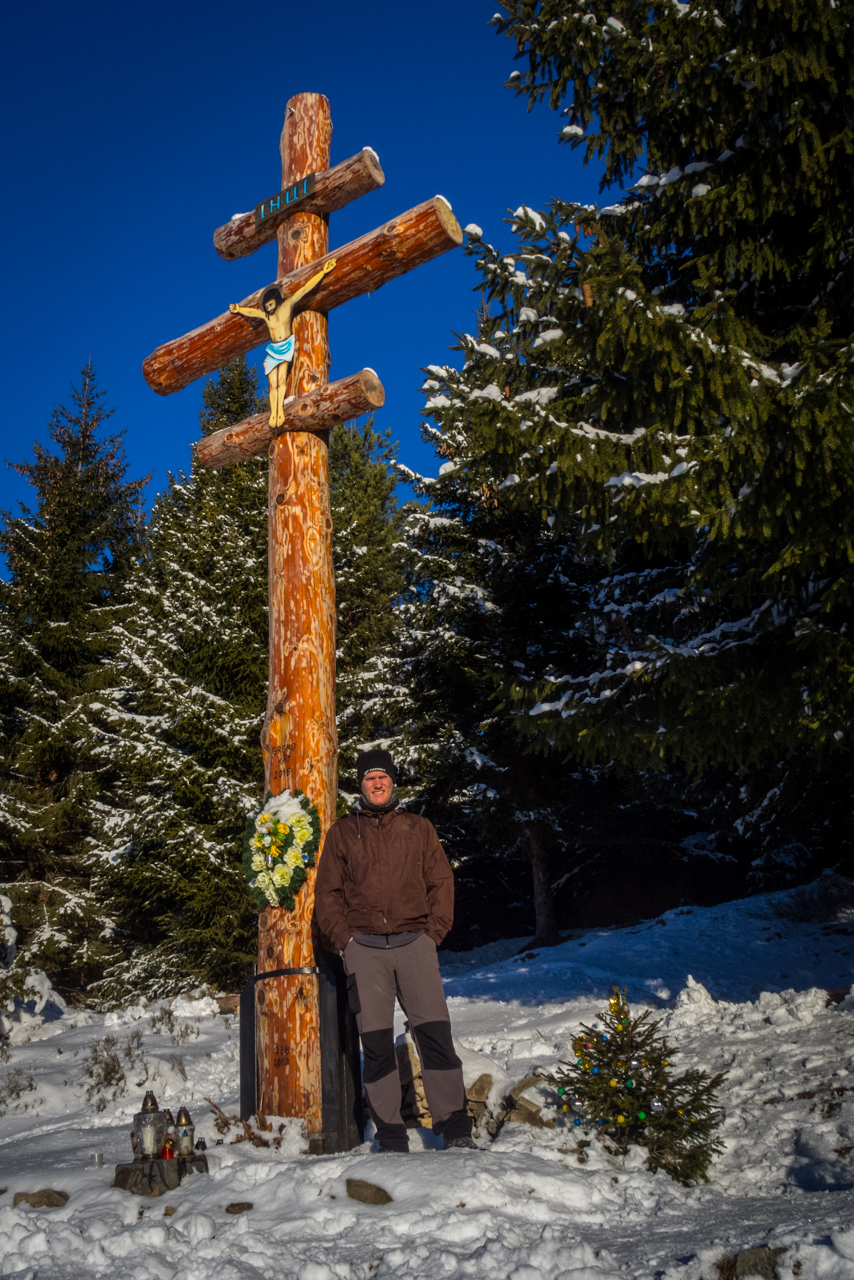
[278,312]
[299,1035]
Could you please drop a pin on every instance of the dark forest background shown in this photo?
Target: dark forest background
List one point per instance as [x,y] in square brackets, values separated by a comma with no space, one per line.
[609,643]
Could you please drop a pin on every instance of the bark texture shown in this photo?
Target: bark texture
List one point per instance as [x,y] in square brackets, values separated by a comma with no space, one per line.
[362,266]
[318,411]
[545,921]
[333,189]
[299,737]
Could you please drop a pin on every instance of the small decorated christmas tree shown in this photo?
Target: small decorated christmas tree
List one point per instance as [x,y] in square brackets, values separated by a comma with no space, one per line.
[621,1086]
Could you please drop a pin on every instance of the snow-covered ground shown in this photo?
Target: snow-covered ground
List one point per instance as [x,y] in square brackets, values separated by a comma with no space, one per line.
[738,989]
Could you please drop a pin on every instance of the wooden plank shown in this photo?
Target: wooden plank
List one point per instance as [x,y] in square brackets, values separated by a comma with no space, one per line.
[333,189]
[362,266]
[299,736]
[318,411]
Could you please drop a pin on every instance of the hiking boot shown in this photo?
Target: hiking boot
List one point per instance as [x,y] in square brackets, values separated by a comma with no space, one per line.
[461,1144]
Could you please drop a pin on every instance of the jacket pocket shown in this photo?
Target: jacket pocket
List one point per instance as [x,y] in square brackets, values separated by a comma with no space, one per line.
[353,994]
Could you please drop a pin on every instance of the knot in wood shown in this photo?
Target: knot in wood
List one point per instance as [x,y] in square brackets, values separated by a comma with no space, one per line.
[261,995]
[280,497]
[271,951]
[262,921]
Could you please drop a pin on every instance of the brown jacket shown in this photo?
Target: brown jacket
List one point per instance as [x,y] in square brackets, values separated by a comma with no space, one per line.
[383,873]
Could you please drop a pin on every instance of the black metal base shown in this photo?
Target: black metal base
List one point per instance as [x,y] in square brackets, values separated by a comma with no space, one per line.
[340,1059]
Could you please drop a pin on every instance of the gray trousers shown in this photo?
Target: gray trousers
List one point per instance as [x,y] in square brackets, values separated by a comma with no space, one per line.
[375,976]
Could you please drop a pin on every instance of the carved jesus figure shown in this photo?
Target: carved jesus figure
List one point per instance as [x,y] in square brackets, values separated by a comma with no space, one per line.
[277,312]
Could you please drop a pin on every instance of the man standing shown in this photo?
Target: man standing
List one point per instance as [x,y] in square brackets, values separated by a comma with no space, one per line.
[384,895]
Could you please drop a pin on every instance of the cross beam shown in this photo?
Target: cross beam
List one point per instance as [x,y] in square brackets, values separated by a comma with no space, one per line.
[362,266]
[318,411]
[332,190]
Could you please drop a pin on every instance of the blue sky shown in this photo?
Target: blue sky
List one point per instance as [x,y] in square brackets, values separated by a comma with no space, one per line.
[134,131]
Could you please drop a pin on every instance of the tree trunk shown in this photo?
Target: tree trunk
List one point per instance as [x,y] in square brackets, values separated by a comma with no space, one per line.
[299,736]
[362,266]
[332,190]
[545,922]
[318,411]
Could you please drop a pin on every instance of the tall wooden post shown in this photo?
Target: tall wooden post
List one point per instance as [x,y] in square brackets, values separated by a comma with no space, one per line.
[300,999]
[299,736]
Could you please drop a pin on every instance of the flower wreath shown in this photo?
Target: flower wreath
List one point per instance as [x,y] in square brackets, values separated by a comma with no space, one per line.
[279,847]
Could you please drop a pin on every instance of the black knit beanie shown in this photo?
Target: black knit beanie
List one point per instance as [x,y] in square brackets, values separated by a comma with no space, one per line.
[377,759]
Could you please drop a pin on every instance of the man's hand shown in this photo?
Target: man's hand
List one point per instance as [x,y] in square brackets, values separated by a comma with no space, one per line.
[234,307]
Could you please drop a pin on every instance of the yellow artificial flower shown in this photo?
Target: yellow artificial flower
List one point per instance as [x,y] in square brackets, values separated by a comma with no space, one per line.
[258,862]
[293,858]
[281,874]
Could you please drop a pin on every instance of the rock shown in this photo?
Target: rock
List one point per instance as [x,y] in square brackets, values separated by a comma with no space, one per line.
[229,1004]
[527,1083]
[524,1112]
[47,1198]
[367,1192]
[758,1262]
[479,1091]
[239,1206]
[413,1105]
[169,1210]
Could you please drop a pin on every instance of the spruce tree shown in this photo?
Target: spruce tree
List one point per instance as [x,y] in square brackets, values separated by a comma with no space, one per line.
[181,720]
[69,556]
[671,374]
[369,580]
[621,1087]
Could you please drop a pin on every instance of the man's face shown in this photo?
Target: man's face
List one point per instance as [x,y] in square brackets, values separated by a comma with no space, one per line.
[270,306]
[377,787]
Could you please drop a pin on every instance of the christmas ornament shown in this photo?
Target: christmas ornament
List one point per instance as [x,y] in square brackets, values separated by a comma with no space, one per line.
[657,1104]
[612,1083]
[641,1115]
[630,1084]
[577,1104]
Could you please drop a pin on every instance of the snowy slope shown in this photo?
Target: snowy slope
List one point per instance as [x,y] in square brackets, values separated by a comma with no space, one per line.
[738,989]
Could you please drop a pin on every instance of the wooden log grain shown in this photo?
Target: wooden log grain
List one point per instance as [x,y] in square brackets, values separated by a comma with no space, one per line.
[333,189]
[362,266]
[299,737]
[318,411]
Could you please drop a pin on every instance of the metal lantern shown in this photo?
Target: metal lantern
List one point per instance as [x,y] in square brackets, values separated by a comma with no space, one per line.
[185,1133]
[149,1129]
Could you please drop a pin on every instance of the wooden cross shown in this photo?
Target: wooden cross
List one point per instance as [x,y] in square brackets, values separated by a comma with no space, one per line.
[299,738]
